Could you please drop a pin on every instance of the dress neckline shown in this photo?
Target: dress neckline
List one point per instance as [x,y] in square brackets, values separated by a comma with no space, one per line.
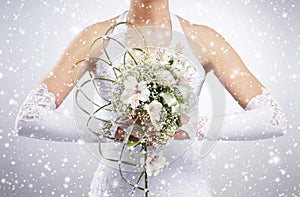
[177,33]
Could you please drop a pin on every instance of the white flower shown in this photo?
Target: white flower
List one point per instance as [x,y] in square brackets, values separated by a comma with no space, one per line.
[159,54]
[179,66]
[154,163]
[190,70]
[165,77]
[164,57]
[153,110]
[185,91]
[134,92]
[179,47]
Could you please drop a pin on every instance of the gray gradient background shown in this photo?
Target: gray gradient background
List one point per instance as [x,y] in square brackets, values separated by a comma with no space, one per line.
[264,33]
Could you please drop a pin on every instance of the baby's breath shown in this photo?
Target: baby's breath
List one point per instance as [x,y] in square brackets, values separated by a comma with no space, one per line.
[164,71]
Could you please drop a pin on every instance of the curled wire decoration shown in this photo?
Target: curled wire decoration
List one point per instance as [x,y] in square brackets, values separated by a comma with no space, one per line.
[93,115]
[110,124]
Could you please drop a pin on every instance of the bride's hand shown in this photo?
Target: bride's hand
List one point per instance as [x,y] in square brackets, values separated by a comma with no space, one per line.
[184,119]
[119,135]
[178,135]
[181,135]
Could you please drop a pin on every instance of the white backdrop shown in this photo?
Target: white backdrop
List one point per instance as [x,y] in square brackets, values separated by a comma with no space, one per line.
[264,33]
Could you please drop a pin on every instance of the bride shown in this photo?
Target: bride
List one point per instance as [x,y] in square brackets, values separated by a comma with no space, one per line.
[262,116]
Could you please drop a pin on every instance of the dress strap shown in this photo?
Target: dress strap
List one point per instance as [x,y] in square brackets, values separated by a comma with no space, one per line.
[177,35]
[120,28]
[176,26]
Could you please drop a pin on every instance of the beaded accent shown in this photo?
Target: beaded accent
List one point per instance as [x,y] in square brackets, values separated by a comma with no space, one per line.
[202,120]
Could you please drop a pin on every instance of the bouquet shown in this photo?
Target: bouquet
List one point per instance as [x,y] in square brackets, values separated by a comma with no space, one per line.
[154,93]
[151,96]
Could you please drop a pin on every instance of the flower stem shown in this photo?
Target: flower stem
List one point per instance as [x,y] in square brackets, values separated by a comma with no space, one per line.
[146,176]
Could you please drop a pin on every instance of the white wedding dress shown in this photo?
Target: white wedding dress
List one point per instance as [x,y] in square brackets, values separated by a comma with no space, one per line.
[184,176]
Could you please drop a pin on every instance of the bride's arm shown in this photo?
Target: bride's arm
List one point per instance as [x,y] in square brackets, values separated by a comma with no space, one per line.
[38,116]
[263,117]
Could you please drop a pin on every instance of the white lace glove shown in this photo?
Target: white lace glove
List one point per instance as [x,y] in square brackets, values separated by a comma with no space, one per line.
[263,118]
[38,118]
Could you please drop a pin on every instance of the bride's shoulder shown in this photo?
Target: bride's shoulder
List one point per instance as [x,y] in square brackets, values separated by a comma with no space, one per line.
[207,37]
[105,23]
[197,31]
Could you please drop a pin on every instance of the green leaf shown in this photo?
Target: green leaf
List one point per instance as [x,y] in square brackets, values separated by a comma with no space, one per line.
[170,99]
[176,109]
[128,133]
[132,143]
[172,102]
[178,122]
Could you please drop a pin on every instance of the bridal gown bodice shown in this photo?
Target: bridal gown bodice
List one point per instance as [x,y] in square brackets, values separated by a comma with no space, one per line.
[184,176]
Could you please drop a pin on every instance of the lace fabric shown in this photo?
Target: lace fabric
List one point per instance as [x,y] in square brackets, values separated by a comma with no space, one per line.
[38,102]
[264,107]
[266,98]
[202,121]
[38,118]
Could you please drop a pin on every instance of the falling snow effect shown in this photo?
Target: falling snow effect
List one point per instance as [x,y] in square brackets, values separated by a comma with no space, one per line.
[264,33]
